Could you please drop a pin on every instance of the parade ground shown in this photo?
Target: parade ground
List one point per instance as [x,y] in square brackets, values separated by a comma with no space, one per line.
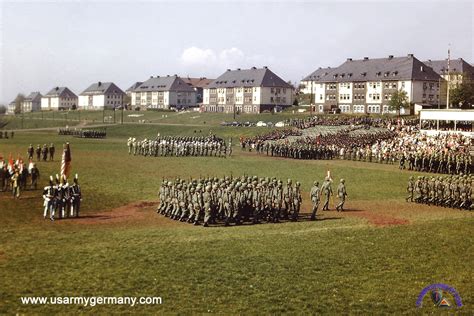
[376,255]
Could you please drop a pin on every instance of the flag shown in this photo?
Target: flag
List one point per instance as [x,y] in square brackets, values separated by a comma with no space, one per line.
[66,160]
[11,166]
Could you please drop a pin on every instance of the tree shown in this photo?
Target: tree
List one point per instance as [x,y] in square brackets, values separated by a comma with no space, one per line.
[463,95]
[18,103]
[3,109]
[398,101]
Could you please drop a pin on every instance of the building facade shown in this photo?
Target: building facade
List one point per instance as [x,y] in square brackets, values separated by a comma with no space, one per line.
[367,85]
[59,98]
[459,70]
[198,84]
[163,93]
[32,102]
[11,108]
[247,91]
[101,95]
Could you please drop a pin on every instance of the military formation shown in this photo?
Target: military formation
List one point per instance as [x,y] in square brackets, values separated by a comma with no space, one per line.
[89,133]
[341,144]
[61,199]
[256,142]
[42,153]
[235,201]
[447,163]
[331,120]
[4,134]
[448,191]
[16,176]
[181,146]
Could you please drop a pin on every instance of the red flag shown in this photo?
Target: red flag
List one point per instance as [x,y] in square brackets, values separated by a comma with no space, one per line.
[11,164]
[66,161]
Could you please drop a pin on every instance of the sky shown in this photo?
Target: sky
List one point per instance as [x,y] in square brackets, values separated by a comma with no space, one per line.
[77,43]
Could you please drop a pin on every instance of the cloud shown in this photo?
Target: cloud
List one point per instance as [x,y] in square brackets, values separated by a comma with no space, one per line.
[195,59]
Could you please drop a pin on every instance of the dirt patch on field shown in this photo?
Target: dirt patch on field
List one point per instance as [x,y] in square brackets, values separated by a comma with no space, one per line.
[377,219]
[376,213]
[142,212]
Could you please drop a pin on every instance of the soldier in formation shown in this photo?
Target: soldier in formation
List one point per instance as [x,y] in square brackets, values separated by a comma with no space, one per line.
[448,191]
[168,146]
[61,199]
[230,200]
[89,133]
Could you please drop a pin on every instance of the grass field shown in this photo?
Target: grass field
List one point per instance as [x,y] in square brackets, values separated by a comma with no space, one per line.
[373,259]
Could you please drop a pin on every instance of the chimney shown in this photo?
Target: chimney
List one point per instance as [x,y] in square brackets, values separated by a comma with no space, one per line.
[390,56]
[238,69]
[151,77]
[167,75]
[366,58]
[410,55]
[57,88]
[265,67]
[349,59]
[100,83]
[254,67]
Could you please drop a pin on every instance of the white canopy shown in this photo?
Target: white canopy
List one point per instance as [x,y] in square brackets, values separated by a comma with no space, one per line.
[447,115]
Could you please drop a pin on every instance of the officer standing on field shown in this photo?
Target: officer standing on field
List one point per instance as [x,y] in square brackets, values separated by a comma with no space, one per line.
[315,196]
[341,193]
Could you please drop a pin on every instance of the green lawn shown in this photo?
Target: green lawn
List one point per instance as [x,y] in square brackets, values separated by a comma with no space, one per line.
[342,264]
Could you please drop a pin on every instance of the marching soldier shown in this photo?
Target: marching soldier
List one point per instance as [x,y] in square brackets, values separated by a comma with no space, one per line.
[341,193]
[38,152]
[410,189]
[315,195]
[327,191]
[297,199]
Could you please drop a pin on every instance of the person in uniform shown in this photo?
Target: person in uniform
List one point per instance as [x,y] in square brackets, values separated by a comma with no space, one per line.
[35,174]
[297,199]
[44,152]
[38,152]
[315,196]
[15,181]
[341,193]
[327,191]
[75,197]
[51,152]
[410,189]
[48,196]
[31,152]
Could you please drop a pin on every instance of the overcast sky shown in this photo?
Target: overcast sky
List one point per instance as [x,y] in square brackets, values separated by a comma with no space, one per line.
[49,44]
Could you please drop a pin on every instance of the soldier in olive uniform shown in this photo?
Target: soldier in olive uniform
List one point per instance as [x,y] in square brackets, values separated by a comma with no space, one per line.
[410,189]
[327,191]
[341,193]
[315,196]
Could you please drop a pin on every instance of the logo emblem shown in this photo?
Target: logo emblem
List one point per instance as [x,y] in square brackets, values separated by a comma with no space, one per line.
[438,295]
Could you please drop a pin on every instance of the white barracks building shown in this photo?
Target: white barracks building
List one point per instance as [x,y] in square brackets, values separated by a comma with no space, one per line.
[101,95]
[163,93]
[247,91]
[366,85]
[59,98]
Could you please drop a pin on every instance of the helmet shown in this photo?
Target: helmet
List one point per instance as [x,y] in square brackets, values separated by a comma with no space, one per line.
[316,183]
